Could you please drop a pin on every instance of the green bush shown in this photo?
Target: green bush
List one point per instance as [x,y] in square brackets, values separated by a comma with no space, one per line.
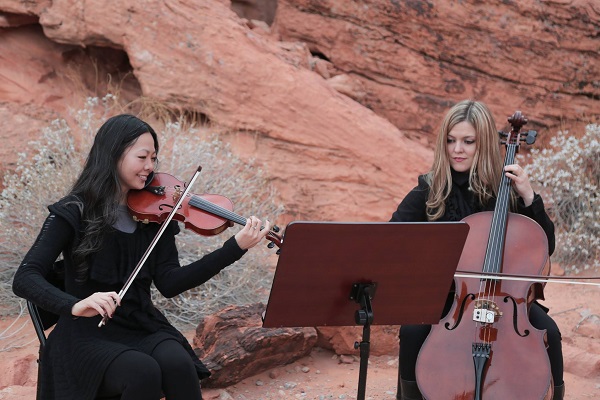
[568,176]
[47,172]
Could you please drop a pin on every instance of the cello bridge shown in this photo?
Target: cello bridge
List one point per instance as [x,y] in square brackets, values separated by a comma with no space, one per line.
[486,311]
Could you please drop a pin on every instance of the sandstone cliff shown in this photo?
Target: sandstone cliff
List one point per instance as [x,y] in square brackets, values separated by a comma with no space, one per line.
[338,100]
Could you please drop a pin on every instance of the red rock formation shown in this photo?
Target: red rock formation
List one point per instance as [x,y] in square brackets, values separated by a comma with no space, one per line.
[415,58]
[234,346]
[406,61]
[330,157]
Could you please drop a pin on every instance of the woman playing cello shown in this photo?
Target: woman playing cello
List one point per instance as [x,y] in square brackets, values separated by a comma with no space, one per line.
[138,354]
[464,180]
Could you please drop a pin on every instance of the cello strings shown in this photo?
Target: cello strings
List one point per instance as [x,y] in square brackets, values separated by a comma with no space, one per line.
[501,222]
[495,248]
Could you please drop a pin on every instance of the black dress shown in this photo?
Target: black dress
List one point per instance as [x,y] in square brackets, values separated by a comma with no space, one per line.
[77,351]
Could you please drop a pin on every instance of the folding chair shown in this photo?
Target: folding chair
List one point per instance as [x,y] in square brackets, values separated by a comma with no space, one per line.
[42,319]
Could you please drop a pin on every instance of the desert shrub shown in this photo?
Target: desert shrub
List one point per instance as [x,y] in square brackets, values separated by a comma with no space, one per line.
[568,176]
[46,173]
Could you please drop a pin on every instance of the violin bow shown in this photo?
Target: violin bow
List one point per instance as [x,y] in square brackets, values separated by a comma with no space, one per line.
[574,280]
[158,235]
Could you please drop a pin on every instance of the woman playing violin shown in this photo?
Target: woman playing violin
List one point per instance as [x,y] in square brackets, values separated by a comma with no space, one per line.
[464,180]
[138,354]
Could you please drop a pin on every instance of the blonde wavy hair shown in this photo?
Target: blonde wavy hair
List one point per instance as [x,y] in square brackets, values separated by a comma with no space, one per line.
[486,171]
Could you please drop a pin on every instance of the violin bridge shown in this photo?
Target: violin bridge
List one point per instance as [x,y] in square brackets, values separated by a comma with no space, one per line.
[486,311]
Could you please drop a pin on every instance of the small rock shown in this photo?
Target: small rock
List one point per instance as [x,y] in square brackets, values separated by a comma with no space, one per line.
[344,359]
[225,396]
[557,270]
[274,374]
[290,385]
[589,325]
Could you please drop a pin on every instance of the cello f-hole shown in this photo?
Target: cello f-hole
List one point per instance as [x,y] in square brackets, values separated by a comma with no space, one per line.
[471,297]
[515,323]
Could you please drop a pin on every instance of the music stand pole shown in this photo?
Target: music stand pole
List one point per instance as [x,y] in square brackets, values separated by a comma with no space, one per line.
[363,293]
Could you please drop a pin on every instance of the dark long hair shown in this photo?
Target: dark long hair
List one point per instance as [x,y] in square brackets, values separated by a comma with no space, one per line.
[98,186]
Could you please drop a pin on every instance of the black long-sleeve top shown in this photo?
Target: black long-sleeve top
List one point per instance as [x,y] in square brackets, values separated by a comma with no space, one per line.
[462,202]
[77,351]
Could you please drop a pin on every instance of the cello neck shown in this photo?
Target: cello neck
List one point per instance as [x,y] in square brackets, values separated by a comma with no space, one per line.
[495,246]
[497,238]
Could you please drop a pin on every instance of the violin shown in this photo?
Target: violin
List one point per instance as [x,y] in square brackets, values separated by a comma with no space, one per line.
[166,198]
[207,214]
[491,348]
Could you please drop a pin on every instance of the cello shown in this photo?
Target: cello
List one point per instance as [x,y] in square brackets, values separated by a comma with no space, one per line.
[485,348]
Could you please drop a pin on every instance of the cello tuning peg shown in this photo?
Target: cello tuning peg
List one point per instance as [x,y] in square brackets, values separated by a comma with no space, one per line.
[531,136]
[502,134]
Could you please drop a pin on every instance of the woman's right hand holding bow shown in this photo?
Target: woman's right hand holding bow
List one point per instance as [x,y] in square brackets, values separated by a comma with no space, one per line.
[99,303]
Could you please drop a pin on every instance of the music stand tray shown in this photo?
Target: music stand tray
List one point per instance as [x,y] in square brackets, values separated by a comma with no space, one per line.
[412,264]
[363,273]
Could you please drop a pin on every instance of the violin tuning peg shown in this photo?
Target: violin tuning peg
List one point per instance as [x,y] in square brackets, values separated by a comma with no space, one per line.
[271,245]
[278,252]
[502,134]
[275,228]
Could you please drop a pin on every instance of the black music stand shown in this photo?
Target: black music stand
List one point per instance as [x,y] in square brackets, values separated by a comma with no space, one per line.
[403,270]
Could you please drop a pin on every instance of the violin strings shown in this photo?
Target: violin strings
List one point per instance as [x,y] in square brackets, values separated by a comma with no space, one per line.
[208,206]
[217,210]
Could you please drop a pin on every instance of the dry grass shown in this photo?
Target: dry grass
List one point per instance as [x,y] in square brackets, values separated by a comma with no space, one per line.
[567,173]
[46,171]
